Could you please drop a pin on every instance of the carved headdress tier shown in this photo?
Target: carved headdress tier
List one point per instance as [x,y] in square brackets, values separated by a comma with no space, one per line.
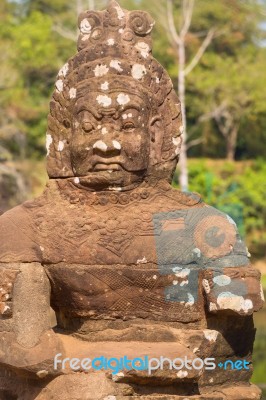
[114,55]
[115,27]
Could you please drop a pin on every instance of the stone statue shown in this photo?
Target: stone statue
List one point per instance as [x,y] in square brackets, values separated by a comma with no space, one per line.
[130,266]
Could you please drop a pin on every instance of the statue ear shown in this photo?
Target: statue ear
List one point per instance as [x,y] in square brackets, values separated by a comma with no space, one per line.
[155,127]
[156,136]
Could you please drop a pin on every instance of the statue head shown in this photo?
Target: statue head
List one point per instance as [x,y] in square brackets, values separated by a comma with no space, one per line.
[114,119]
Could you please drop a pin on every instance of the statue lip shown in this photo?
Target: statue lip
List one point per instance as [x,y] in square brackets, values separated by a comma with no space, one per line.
[107,166]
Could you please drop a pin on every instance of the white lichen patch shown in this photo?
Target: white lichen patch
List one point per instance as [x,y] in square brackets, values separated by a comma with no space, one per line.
[210,335]
[6,308]
[222,280]
[85,27]
[76,180]
[138,71]
[104,100]
[155,277]
[143,261]
[262,293]
[212,307]
[73,93]
[157,80]
[64,70]
[95,34]
[197,251]
[100,145]
[104,131]
[117,145]
[59,85]
[182,374]
[85,37]
[120,12]
[177,143]
[228,300]
[42,374]
[175,283]
[206,285]
[61,145]
[143,48]
[121,30]
[110,42]
[123,99]
[126,116]
[183,283]
[181,129]
[181,273]
[191,300]
[116,65]
[49,141]
[100,70]
[115,189]
[105,86]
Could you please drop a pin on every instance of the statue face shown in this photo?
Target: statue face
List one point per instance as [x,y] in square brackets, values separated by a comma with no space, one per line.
[110,143]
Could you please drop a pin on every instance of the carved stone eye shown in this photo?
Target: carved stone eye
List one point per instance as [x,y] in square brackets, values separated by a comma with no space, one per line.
[87,126]
[128,126]
[66,123]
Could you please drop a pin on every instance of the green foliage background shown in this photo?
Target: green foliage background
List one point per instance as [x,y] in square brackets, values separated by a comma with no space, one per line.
[239,190]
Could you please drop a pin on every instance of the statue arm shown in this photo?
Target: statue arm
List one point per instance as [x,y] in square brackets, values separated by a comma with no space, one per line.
[28,341]
[236,288]
[230,282]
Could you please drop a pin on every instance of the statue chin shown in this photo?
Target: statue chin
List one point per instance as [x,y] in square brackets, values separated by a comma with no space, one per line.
[110,181]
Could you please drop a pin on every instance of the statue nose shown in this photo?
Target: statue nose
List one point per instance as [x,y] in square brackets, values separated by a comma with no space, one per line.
[107,148]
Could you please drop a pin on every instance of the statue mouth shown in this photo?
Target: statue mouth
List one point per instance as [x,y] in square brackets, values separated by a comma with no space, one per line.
[110,167]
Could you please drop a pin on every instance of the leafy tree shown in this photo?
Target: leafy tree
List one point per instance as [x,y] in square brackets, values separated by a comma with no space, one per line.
[224,99]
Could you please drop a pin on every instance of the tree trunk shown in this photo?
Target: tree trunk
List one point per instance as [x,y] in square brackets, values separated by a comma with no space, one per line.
[231,142]
[91,5]
[183,177]
[79,7]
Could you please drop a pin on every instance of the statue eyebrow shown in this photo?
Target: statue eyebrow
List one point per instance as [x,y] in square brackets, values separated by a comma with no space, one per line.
[130,106]
[92,110]
[95,112]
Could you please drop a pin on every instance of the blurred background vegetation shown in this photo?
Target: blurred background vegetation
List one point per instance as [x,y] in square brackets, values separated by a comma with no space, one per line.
[224,45]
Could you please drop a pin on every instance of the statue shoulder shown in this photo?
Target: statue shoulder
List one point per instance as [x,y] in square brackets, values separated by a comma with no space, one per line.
[217,237]
[17,235]
[200,236]
[189,199]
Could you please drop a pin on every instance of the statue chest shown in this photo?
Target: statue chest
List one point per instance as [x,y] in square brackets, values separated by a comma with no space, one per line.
[116,235]
[97,236]
[121,263]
